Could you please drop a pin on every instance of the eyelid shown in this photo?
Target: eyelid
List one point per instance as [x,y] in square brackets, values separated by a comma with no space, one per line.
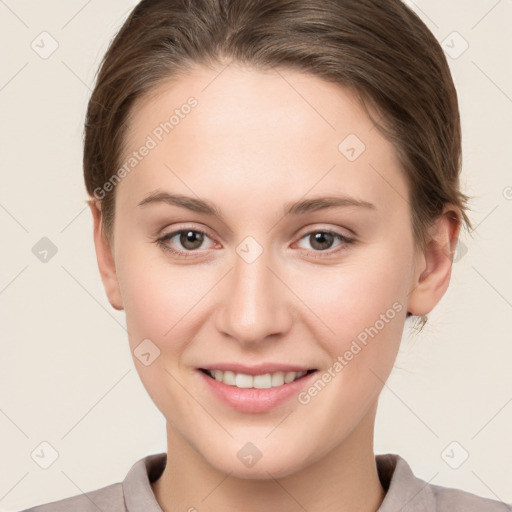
[178,230]
[185,227]
[338,230]
[344,243]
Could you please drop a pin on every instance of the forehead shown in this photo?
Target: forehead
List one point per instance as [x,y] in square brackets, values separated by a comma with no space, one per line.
[272,133]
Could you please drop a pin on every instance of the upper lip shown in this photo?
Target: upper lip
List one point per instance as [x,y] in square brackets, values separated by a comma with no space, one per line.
[259,369]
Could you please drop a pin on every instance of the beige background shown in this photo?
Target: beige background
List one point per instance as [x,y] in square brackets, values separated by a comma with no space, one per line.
[67,377]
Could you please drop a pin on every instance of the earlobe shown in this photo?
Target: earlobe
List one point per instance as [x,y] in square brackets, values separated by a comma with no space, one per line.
[434,264]
[105,258]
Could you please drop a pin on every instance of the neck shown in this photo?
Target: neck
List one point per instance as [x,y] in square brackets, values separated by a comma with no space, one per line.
[346,479]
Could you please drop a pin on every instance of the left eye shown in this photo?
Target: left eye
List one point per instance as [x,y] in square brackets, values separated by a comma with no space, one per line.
[322,240]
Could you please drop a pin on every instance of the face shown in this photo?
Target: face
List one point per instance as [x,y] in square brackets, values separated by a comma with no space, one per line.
[250,273]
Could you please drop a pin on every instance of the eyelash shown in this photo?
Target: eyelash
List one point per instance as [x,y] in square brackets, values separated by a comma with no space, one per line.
[161,242]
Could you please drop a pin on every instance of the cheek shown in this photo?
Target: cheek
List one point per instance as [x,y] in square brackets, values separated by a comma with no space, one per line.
[343,301]
[157,296]
[156,300]
[359,317]
[367,333]
[149,303]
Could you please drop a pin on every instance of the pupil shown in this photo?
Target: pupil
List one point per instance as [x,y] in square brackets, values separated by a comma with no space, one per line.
[192,237]
[320,239]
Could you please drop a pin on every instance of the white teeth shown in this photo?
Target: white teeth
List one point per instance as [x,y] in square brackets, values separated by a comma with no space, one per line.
[289,377]
[229,378]
[262,381]
[277,379]
[242,380]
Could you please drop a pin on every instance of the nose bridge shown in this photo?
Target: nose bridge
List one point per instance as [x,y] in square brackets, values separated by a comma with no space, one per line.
[254,303]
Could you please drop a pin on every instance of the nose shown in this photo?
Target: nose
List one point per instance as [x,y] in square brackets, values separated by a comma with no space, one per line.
[255,303]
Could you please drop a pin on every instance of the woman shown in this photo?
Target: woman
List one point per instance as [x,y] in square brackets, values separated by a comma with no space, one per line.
[275,189]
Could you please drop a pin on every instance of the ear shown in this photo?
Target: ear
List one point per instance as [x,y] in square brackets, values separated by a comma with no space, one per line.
[434,264]
[105,258]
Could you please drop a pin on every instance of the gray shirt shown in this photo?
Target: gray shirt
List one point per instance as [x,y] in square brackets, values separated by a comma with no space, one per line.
[404,492]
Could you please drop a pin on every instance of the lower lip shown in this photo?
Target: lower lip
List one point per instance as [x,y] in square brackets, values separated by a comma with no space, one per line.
[255,400]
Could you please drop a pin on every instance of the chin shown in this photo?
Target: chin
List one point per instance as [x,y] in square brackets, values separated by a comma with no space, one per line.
[275,465]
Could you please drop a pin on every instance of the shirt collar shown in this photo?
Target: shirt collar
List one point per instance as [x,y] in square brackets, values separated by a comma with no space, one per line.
[138,494]
[404,491]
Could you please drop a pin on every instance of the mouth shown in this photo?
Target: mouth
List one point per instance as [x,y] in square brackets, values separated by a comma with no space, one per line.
[261,381]
[255,389]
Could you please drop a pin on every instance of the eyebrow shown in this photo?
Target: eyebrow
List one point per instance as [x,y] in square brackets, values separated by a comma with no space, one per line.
[190,203]
[293,208]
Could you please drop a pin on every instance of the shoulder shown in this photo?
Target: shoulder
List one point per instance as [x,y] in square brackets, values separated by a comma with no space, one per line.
[107,498]
[408,493]
[455,500]
[133,493]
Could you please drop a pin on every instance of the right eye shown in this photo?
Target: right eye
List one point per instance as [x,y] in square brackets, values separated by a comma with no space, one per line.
[190,239]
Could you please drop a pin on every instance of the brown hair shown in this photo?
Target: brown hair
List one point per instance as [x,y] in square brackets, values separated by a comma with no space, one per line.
[380,49]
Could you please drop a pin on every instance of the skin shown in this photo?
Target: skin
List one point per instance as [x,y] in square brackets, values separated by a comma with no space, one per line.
[256,141]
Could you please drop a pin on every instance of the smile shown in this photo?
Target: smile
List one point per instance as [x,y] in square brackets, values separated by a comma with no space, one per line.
[256,393]
[263,381]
